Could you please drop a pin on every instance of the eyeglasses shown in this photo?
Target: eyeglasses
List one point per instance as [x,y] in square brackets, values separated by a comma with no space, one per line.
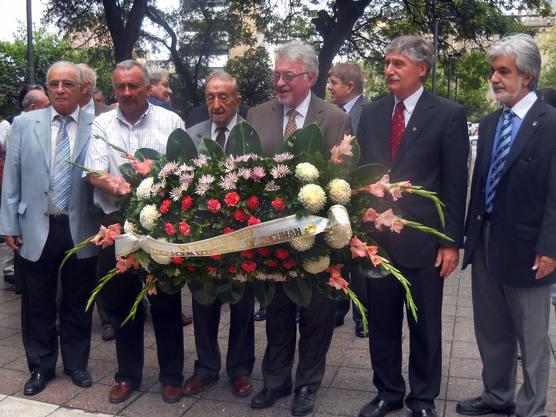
[286,76]
[66,84]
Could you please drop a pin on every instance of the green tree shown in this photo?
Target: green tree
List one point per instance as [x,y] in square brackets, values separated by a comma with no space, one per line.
[252,72]
[548,73]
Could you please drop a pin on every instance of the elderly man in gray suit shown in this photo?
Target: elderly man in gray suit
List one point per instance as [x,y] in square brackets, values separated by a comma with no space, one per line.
[223,99]
[47,208]
[345,85]
[295,72]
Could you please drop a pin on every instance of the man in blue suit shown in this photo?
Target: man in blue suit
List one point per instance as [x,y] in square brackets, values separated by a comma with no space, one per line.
[47,208]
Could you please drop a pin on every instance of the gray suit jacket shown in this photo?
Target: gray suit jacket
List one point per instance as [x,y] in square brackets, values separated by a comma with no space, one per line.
[355,112]
[267,119]
[203,130]
[26,185]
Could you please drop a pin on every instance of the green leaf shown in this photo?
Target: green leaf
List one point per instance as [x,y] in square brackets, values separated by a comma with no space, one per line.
[147,153]
[299,290]
[204,292]
[264,291]
[367,174]
[243,139]
[171,286]
[211,148]
[128,172]
[230,291]
[180,146]
[308,139]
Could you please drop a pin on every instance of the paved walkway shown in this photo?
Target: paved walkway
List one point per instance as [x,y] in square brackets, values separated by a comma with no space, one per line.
[346,388]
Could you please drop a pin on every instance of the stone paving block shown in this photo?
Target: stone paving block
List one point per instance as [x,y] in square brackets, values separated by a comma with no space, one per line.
[72,412]
[276,412]
[13,321]
[12,341]
[465,350]
[465,368]
[9,354]
[222,391]
[99,368]
[357,358]
[353,378]
[12,406]
[341,401]
[95,398]
[150,405]
[7,332]
[465,312]
[464,331]
[211,408]
[58,391]
[11,307]
[12,381]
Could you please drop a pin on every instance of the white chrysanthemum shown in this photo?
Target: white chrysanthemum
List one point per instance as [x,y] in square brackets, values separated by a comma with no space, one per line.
[312,197]
[271,186]
[161,259]
[144,189]
[338,236]
[240,278]
[301,244]
[318,266]
[129,227]
[306,172]
[339,191]
[148,216]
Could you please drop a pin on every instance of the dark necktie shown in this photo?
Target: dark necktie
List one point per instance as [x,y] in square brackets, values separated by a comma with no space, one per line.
[61,183]
[503,145]
[397,128]
[221,136]
[341,107]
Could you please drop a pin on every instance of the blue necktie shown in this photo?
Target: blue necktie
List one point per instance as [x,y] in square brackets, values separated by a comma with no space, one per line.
[61,182]
[501,152]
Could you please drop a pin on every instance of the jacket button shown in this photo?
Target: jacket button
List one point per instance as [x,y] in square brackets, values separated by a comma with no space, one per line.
[479,217]
[46,213]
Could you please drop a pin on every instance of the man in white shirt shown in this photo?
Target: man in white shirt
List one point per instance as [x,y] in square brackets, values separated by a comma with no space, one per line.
[134,124]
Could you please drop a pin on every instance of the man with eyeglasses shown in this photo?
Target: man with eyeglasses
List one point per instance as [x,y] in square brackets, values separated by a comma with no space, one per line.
[47,208]
[295,72]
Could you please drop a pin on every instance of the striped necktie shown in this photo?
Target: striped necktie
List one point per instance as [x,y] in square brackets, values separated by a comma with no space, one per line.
[498,161]
[221,136]
[291,126]
[61,182]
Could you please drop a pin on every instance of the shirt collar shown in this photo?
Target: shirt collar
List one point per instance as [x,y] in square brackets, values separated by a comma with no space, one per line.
[524,105]
[411,101]
[229,126]
[74,116]
[89,107]
[349,105]
[302,108]
[122,118]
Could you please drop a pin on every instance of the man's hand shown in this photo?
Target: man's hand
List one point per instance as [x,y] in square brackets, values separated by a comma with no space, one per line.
[110,184]
[13,242]
[544,265]
[447,259]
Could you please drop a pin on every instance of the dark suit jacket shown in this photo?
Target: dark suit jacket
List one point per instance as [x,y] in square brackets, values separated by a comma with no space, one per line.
[200,113]
[267,119]
[432,154]
[203,130]
[523,219]
[355,112]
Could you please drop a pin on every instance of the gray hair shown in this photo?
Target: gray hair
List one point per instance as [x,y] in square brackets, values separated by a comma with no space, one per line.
[297,50]
[32,97]
[155,76]
[129,64]
[526,52]
[224,76]
[90,76]
[349,72]
[76,68]
[416,48]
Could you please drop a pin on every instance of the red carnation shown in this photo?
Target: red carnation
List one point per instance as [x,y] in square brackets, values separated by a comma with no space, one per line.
[232,269]
[191,268]
[248,266]
[177,260]
[250,254]
[253,203]
[253,220]
[278,204]
[288,263]
[169,229]
[184,228]
[264,251]
[214,205]
[231,199]
[228,230]
[282,253]
[241,216]
[165,206]
[271,262]
[216,257]
[212,269]
[186,202]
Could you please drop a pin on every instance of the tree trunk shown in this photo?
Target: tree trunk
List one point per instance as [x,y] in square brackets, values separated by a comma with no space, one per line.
[124,35]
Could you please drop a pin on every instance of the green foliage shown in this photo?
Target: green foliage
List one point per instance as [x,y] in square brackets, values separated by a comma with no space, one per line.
[180,146]
[548,73]
[243,140]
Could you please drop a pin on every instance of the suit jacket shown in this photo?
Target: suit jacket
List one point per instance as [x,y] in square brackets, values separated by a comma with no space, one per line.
[100,108]
[355,112]
[432,154]
[267,119]
[200,113]
[203,130]
[523,219]
[26,185]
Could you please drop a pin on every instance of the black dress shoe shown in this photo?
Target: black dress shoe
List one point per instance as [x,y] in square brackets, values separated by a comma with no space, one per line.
[477,407]
[80,378]
[359,330]
[426,412]
[37,382]
[267,397]
[379,408]
[261,314]
[303,402]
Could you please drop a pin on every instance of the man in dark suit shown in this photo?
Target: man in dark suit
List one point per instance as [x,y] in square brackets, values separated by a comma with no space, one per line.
[47,208]
[345,85]
[421,138]
[511,235]
[223,98]
[295,72]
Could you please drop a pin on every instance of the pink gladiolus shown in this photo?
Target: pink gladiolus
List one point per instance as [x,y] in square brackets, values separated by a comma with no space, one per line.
[142,167]
[378,188]
[151,280]
[358,248]
[389,219]
[396,190]
[372,253]
[123,264]
[344,148]
[106,235]
[370,215]
[336,280]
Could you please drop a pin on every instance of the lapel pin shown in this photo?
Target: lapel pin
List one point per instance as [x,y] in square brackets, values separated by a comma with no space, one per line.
[535,123]
[414,129]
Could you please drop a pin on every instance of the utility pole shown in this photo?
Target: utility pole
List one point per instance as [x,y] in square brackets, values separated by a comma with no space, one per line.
[30,59]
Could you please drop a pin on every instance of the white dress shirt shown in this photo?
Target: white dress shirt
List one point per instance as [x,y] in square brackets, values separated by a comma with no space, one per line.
[409,103]
[301,109]
[349,105]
